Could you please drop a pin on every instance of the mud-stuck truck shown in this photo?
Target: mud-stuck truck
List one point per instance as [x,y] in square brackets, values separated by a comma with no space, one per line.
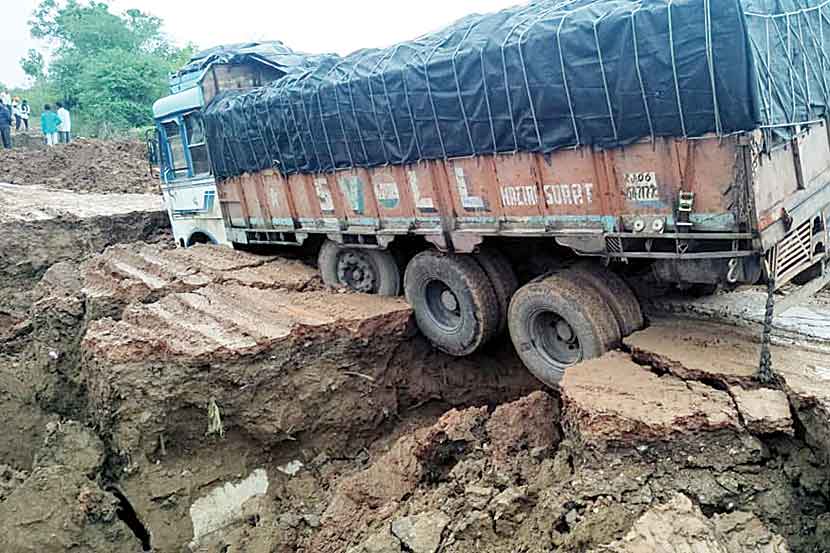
[505,171]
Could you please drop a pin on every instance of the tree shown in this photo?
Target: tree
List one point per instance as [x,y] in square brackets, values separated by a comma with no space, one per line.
[34,65]
[110,68]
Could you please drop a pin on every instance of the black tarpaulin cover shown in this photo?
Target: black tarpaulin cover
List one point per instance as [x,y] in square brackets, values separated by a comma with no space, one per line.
[272,52]
[549,75]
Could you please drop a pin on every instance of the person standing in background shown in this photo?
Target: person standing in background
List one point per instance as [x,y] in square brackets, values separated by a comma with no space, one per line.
[66,124]
[5,125]
[49,123]
[16,112]
[6,98]
[25,112]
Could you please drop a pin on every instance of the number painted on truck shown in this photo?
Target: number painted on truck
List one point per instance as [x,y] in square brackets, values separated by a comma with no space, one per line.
[642,187]
[519,196]
[569,194]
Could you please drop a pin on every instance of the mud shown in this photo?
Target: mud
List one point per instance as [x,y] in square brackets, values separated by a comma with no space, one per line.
[230,402]
[40,227]
[85,165]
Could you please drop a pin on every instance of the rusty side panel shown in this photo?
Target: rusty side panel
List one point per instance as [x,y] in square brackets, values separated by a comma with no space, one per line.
[790,174]
[565,191]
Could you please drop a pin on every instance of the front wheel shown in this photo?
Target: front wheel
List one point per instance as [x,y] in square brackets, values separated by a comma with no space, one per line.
[556,323]
[362,270]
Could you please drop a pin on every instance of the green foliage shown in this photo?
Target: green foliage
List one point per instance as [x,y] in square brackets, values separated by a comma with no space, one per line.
[108,68]
[34,65]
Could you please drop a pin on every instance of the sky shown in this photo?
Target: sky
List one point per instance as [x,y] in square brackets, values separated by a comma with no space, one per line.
[312,26]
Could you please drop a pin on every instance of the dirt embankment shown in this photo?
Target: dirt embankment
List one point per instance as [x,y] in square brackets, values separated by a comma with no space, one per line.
[85,165]
[229,402]
[42,226]
[199,367]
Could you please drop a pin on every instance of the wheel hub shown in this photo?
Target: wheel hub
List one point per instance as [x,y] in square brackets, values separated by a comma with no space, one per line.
[564,331]
[449,300]
[555,339]
[443,306]
[355,270]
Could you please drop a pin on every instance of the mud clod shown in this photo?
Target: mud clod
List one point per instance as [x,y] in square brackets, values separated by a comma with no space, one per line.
[680,526]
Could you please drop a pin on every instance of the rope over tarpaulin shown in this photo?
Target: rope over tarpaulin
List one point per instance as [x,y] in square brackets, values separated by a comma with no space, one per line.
[550,75]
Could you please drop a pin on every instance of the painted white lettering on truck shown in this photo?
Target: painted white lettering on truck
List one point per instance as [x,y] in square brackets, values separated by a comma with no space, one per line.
[569,194]
[421,202]
[274,197]
[352,188]
[321,187]
[469,202]
[519,196]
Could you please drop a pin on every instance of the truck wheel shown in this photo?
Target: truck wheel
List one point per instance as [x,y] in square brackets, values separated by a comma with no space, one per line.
[616,293]
[501,275]
[454,302]
[557,322]
[361,270]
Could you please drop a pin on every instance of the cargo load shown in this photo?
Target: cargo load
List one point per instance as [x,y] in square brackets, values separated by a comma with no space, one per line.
[538,78]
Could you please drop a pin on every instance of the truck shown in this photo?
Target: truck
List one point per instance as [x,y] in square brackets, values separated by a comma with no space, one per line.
[188,185]
[508,172]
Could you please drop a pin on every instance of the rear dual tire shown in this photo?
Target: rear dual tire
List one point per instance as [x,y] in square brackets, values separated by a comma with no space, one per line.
[557,322]
[613,290]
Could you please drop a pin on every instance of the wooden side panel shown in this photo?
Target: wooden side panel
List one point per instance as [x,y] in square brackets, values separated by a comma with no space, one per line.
[354,186]
[231,199]
[519,189]
[394,203]
[566,190]
[712,175]
[776,179]
[279,201]
[307,207]
[425,191]
[473,189]
[574,183]
[222,77]
[259,214]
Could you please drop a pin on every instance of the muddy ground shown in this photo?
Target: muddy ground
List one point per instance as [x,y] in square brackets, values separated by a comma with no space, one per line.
[85,165]
[216,401]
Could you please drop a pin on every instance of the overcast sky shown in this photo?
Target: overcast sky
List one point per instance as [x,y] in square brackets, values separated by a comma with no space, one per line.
[312,26]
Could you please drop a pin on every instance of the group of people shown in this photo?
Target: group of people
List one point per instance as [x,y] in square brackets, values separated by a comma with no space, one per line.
[56,125]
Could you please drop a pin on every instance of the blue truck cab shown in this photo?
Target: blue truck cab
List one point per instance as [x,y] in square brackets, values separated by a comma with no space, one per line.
[188,185]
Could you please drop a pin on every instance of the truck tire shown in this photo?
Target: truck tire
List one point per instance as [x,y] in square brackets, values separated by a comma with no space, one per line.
[500,272]
[362,270]
[454,301]
[557,322]
[616,293]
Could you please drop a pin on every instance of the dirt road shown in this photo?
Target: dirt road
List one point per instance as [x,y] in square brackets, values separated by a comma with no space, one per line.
[85,165]
[216,401]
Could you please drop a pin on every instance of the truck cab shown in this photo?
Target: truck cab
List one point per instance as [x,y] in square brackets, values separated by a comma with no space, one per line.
[188,185]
